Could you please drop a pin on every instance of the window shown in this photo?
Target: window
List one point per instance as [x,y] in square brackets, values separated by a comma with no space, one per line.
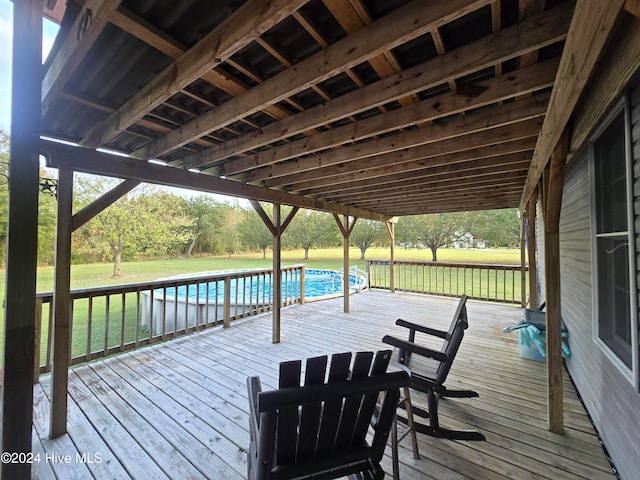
[613,241]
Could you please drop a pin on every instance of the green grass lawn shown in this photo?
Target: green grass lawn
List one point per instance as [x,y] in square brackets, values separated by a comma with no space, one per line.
[92,275]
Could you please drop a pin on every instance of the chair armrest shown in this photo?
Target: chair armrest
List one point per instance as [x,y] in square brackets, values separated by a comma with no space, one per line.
[254,387]
[414,348]
[421,328]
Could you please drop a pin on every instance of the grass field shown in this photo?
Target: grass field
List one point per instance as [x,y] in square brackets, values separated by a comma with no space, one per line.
[92,275]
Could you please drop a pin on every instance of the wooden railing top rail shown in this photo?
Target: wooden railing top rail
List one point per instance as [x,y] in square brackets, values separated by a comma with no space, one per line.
[489,266]
[77,293]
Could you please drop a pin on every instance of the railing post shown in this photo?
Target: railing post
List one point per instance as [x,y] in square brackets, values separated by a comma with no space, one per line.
[36,341]
[302,285]
[226,320]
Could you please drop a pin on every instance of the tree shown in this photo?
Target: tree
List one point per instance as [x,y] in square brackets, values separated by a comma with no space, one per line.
[46,208]
[310,229]
[498,228]
[208,215]
[229,234]
[254,233]
[138,223]
[365,233]
[434,231]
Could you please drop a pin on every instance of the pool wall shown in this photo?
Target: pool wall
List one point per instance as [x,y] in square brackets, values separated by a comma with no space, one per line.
[165,314]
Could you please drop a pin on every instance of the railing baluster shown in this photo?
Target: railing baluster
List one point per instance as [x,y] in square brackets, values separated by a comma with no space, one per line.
[36,341]
[123,320]
[89,327]
[254,299]
[106,324]
[138,319]
[483,281]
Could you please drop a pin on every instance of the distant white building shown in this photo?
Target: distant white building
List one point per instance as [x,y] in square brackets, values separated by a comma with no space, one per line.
[464,241]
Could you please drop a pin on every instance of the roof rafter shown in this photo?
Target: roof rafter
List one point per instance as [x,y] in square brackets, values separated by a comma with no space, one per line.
[533,33]
[83,34]
[401,25]
[242,27]
[483,119]
[530,79]
[355,171]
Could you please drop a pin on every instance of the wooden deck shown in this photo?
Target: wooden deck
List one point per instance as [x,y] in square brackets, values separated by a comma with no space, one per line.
[179,410]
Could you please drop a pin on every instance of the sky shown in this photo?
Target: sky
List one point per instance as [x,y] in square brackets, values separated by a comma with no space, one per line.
[6,35]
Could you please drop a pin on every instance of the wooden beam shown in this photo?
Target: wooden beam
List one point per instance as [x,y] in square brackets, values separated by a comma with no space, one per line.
[99,204]
[373,168]
[591,27]
[391,229]
[138,27]
[243,26]
[533,33]
[530,79]
[523,261]
[633,7]
[265,218]
[276,275]
[552,285]
[608,84]
[62,307]
[90,161]
[528,8]
[352,16]
[346,227]
[54,10]
[474,122]
[478,167]
[455,197]
[486,185]
[400,26]
[22,235]
[85,31]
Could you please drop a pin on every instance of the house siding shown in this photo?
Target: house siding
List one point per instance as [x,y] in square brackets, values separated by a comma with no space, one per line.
[610,397]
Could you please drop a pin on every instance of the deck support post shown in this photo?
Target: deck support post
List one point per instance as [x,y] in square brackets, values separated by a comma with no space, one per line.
[276,278]
[531,251]
[62,306]
[552,284]
[392,241]
[346,227]
[277,227]
[22,235]
[523,275]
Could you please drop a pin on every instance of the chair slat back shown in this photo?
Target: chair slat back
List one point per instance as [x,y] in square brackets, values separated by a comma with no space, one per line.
[310,416]
[453,340]
[328,420]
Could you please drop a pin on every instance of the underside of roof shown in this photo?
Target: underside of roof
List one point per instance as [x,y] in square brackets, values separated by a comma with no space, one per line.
[380,108]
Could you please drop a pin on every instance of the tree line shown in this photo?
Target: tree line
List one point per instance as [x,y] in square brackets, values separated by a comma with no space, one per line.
[149,222]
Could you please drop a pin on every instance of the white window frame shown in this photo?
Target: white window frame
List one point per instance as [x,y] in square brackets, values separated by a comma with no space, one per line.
[631,373]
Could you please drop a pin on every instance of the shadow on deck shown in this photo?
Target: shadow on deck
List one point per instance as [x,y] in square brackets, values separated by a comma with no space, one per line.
[179,409]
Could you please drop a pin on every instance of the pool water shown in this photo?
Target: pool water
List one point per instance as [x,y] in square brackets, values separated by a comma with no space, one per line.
[317,283]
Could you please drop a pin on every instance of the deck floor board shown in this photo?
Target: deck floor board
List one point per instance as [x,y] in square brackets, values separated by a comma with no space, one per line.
[179,409]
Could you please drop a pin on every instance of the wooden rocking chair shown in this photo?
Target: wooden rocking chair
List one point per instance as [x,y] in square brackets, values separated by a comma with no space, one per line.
[319,430]
[429,369]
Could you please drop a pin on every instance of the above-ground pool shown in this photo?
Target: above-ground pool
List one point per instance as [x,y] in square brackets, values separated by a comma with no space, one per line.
[317,284]
[175,308]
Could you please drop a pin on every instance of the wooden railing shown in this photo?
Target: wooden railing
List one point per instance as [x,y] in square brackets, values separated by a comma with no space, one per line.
[107,320]
[498,283]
